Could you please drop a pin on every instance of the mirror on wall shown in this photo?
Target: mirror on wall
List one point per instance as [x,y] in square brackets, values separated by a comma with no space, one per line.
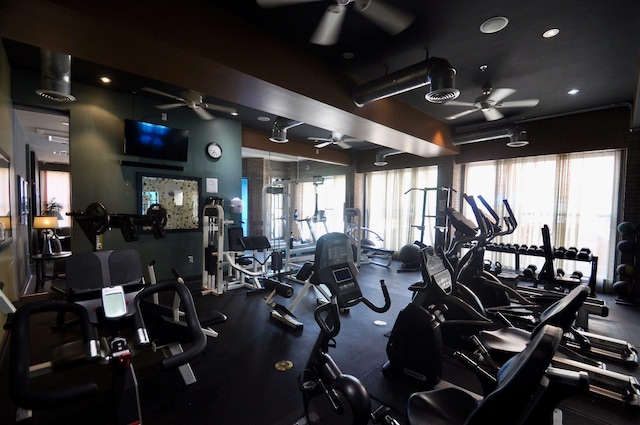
[5,201]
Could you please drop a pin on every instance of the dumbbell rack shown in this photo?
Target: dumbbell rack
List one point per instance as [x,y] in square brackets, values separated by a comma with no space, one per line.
[627,286]
[593,260]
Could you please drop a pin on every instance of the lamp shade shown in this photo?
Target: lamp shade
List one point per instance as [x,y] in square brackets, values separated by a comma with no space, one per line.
[45,222]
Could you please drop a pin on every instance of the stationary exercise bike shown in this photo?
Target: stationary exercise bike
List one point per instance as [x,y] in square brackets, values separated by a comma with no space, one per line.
[330,396]
[110,299]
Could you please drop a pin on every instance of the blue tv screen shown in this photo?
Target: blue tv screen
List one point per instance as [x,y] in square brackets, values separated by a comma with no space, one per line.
[155,141]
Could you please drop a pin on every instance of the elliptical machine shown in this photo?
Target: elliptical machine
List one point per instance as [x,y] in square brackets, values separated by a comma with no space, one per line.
[330,396]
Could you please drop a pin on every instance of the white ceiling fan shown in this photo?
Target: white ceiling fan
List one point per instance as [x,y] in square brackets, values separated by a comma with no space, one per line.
[336,139]
[389,18]
[193,100]
[489,103]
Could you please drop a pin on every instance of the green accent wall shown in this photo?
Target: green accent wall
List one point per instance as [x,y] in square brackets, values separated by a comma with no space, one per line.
[96,134]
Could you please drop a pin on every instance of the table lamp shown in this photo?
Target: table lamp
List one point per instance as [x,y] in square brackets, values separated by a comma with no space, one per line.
[45,223]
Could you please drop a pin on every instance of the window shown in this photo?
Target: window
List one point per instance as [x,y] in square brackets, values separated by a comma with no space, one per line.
[57,188]
[576,195]
[394,211]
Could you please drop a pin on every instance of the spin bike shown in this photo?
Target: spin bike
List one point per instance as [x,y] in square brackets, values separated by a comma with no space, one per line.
[330,396]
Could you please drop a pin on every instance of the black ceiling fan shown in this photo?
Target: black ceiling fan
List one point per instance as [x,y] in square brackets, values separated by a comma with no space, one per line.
[193,100]
[489,103]
[389,18]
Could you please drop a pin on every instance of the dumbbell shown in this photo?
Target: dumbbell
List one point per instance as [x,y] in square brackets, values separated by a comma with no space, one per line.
[559,252]
[584,254]
[530,271]
[572,252]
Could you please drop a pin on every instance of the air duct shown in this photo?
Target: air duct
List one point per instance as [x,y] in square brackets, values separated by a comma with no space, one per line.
[55,77]
[516,135]
[382,154]
[434,71]
[280,127]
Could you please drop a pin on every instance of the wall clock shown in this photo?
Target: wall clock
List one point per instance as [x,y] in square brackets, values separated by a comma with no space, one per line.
[214,150]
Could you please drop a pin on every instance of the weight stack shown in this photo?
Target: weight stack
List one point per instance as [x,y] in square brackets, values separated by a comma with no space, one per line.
[627,286]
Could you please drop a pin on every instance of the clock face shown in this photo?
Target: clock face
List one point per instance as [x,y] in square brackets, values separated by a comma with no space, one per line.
[214,150]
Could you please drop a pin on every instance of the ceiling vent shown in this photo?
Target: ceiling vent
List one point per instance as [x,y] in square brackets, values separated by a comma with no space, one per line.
[280,127]
[55,80]
[382,154]
[516,135]
[434,71]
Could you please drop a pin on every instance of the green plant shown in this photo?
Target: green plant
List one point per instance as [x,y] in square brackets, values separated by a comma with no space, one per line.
[52,208]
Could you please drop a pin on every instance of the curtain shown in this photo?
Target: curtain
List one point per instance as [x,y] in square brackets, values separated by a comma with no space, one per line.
[395,202]
[576,195]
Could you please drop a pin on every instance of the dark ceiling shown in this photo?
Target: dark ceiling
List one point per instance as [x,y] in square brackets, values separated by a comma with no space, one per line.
[596,52]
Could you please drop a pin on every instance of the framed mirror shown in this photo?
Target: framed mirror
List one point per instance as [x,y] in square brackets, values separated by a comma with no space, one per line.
[5,201]
[180,195]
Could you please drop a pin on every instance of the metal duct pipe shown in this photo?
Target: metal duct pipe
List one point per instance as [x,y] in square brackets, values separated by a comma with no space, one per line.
[55,77]
[381,156]
[484,135]
[280,127]
[435,71]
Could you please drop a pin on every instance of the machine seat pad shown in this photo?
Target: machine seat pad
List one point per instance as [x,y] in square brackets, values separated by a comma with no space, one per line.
[507,340]
[435,407]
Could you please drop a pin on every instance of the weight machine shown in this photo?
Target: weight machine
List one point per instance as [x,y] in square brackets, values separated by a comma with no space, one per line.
[96,220]
[366,250]
[278,216]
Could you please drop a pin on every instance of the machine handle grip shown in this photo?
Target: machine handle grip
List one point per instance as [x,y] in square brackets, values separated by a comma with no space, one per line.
[330,322]
[177,275]
[512,216]
[19,358]
[387,300]
[479,219]
[199,341]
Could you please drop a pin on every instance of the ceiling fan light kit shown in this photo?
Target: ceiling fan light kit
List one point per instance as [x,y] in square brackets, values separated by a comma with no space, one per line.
[437,72]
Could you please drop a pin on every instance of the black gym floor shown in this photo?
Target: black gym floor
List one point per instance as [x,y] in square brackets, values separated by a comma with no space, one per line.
[238,382]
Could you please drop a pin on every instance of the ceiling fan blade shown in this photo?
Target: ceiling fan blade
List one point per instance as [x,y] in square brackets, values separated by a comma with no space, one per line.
[170,105]
[492,114]
[352,140]
[323,144]
[525,103]
[220,108]
[202,113]
[498,95]
[161,93]
[320,139]
[459,103]
[278,3]
[460,114]
[328,29]
[387,17]
[343,145]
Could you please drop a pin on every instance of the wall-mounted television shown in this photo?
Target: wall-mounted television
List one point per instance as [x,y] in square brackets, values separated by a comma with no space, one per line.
[155,141]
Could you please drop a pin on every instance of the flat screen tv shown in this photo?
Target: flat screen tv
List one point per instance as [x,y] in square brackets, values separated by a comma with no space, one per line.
[155,141]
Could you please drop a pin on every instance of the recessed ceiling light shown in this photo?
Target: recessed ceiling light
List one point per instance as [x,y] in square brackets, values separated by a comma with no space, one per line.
[551,33]
[493,25]
[235,114]
[105,80]
[573,91]
[264,119]
[348,55]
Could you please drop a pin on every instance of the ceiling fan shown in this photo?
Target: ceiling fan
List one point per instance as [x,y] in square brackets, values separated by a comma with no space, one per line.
[489,103]
[389,18]
[336,139]
[191,99]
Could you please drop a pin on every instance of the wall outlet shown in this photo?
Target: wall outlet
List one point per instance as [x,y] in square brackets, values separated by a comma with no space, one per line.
[190,258]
